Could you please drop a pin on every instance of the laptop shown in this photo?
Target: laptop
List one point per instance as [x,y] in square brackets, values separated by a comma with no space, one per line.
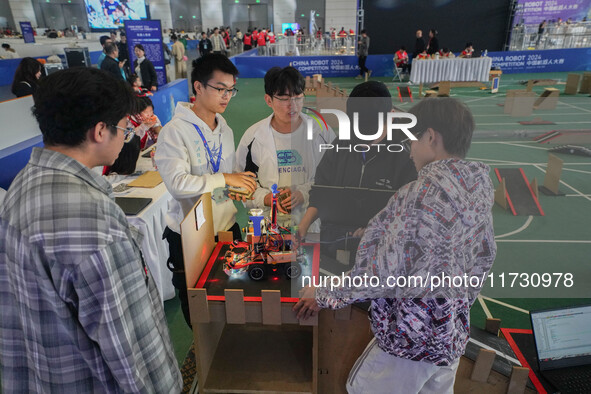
[563,347]
[132,206]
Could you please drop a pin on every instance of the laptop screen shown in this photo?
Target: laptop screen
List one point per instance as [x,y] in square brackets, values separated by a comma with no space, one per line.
[562,336]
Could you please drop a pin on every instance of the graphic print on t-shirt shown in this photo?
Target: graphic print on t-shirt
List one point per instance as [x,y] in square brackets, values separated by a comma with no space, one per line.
[290,162]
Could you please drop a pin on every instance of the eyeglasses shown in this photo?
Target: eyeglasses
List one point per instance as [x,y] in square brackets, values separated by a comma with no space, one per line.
[128,133]
[223,91]
[290,99]
[407,141]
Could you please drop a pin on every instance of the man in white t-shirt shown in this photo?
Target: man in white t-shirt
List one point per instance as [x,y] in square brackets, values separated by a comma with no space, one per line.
[278,150]
[195,155]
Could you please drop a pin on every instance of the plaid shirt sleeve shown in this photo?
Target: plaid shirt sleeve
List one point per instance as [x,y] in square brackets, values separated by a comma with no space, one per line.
[113,291]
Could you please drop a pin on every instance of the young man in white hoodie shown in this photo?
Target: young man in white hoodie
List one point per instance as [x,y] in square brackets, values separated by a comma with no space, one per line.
[195,155]
[278,150]
[439,225]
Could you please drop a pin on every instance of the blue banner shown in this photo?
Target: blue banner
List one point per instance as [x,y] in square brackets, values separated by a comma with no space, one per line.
[552,60]
[252,66]
[149,34]
[27,31]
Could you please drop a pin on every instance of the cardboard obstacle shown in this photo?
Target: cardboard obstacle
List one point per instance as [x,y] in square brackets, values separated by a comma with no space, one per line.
[483,365]
[572,84]
[552,177]
[518,380]
[516,192]
[586,83]
[548,99]
[519,103]
[493,325]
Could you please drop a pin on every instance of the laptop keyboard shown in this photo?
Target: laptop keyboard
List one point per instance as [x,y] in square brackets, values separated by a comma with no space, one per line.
[573,380]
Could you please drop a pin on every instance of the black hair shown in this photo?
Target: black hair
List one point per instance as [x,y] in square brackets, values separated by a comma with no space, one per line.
[215,28]
[468,44]
[132,78]
[204,67]
[122,34]
[70,102]
[140,47]
[5,46]
[279,81]
[142,103]
[433,31]
[451,118]
[174,37]
[127,159]
[403,48]
[368,99]
[102,39]
[110,48]
[363,31]
[445,50]
[25,72]
[202,33]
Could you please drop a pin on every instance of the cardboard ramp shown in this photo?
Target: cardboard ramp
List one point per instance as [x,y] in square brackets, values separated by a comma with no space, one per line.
[520,195]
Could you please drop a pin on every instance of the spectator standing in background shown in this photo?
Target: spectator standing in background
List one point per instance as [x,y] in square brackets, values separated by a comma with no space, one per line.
[362,52]
[145,69]
[124,53]
[433,46]
[419,44]
[111,64]
[248,40]
[204,45]
[217,42]
[103,40]
[178,52]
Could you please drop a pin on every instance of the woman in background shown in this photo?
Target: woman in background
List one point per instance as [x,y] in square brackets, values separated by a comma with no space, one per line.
[145,69]
[26,76]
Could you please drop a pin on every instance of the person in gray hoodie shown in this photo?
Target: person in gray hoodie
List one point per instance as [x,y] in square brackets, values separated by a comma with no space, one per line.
[435,227]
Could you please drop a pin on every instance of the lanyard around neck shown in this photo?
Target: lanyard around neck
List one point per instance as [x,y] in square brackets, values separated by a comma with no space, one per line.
[215,164]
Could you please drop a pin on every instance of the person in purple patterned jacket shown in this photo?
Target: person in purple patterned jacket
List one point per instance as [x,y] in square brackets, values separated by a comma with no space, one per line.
[439,226]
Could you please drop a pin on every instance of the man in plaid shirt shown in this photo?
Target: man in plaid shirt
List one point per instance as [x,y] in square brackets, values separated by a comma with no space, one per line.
[79,311]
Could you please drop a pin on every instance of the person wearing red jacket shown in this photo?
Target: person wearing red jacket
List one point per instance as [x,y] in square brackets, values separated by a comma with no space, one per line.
[401,59]
[248,40]
[255,37]
[262,42]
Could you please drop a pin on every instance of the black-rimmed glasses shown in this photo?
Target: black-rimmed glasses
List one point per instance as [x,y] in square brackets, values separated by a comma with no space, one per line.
[223,91]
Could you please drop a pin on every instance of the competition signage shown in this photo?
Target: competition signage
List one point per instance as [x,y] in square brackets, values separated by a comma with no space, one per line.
[149,34]
[534,12]
[27,31]
[554,60]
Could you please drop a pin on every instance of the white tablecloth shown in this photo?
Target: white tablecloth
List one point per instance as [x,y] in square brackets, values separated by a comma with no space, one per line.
[150,222]
[456,69]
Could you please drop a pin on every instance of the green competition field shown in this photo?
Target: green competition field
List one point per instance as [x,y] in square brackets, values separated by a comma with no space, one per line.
[559,242]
